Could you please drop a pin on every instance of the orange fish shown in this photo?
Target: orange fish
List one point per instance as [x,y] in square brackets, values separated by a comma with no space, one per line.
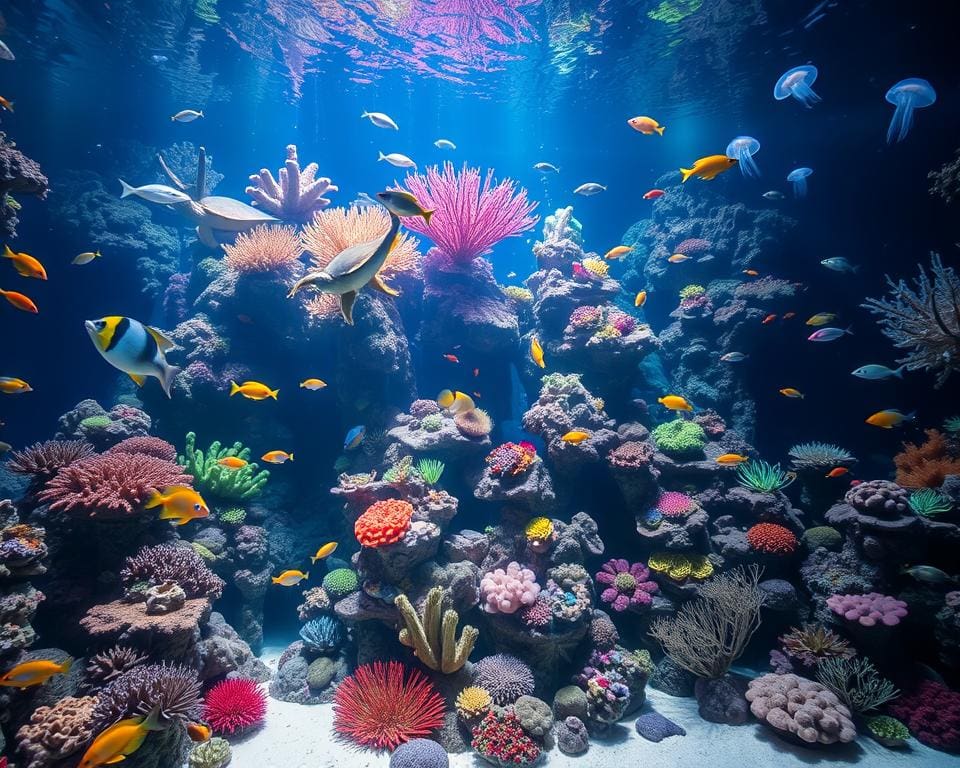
[451,358]
[232,462]
[789,315]
[6,104]
[25,264]
[837,472]
[476,372]
[751,272]
[653,194]
[769,319]
[791,392]
[20,301]
[199,732]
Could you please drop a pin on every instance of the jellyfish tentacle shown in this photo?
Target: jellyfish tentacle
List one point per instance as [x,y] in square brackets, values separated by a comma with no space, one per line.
[805,94]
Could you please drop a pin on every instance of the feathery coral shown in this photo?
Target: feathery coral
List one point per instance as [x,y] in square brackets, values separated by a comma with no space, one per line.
[384,522]
[43,460]
[263,249]
[235,705]
[926,465]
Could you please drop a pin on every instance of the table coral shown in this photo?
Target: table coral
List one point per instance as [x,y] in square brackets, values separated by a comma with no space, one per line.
[385,522]
[506,590]
[628,585]
[868,610]
[802,708]
[771,539]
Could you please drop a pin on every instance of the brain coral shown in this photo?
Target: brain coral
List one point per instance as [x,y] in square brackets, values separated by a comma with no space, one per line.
[680,438]
[801,708]
[340,582]
[385,522]
[771,539]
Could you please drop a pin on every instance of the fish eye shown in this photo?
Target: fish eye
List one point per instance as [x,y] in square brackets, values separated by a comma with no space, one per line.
[197,507]
[100,325]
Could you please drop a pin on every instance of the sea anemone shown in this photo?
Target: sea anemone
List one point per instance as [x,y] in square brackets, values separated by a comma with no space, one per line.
[929,502]
[108,665]
[819,456]
[763,477]
[475,423]
[814,643]
[235,705]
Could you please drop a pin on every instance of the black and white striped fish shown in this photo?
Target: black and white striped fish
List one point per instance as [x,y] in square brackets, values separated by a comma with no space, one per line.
[134,348]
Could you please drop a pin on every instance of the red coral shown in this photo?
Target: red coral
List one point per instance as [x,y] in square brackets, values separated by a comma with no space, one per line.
[926,466]
[511,459]
[503,740]
[150,446]
[932,713]
[111,486]
[235,705]
[384,522]
[771,539]
[384,705]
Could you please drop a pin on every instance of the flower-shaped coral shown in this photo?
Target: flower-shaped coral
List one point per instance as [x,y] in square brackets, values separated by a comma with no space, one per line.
[505,591]
[674,504]
[628,585]
[384,522]
[771,539]
[623,322]
[868,610]
[511,459]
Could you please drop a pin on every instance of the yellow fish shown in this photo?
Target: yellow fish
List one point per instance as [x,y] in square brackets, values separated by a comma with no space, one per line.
[678,258]
[31,673]
[325,551]
[823,318]
[455,402]
[791,392]
[180,503]
[277,457]
[675,403]
[290,578]
[86,258]
[12,386]
[312,384]
[646,125]
[641,299]
[25,264]
[575,437]
[536,352]
[199,732]
[253,390]
[889,418]
[731,459]
[120,740]
[232,462]
[709,167]
[618,252]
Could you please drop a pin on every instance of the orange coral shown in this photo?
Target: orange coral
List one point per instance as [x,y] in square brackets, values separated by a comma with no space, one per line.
[384,522]
[771,539]
[263,249]
[926,466]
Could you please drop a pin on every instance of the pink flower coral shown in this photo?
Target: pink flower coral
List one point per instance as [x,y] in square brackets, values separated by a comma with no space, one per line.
[628,585]
[868,609]
[674,504]
[505,591]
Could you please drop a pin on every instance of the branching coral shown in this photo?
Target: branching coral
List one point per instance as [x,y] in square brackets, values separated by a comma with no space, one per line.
[296,195]
[211,477]
[926,465]
[41,461]
[263,249]
[167,562]
[384,522]
[856,683]
[932,713]
[108,665]
[434,637]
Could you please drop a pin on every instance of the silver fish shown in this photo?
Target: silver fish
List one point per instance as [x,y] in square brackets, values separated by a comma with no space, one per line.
[364,201]
[590,188]
[381,120]
[546,168]
[733,357]
[397,160]
[155,193]
[829,334]
[928,574]
[874,372]
[773,195]
[444,144]
[187,116]
[5,53]
[839,264]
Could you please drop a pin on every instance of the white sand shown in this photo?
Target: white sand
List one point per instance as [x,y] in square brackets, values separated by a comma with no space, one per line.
[299,736]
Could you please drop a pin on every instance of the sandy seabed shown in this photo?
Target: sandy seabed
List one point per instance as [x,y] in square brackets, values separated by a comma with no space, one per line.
[300,736]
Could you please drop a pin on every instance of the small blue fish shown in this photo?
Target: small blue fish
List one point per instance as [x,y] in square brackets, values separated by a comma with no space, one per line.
[354,437]
[877,372]
[839,264]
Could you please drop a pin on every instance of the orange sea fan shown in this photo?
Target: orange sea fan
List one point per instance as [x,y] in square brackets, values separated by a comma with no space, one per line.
[926,466]
[264,249]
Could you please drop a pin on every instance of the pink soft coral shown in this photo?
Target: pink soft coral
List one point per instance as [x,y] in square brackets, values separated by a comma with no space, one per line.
[505,591]
[628,586]
[674,504]
[868,610]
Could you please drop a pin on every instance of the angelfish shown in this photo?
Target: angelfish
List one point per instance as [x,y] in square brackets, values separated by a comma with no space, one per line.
[134,348]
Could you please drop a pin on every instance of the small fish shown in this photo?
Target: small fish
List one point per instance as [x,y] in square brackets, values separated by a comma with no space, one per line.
[5,53]
[290,578]
[678,258]
[158,58]
[837,472]
[536,352]
[840,264]
[476,394]
[354,437]
[821,318]
[178,502]
[546,168]
[511,275]
[618,252]
[451,358]
[590,188]
[120,740]
[4,447]
[186,116]
[25,264]
[199,732]
[829,334]
[155,193]
[253,390]
[773,194]
[381,120]
[751,272]
[575,436]
[31,673]
[890,418]
[325,551]
[6,104]
[455,401]
[86,258]
[476,372]
[791,392]
[675,403]
[928,574]
[709,167]
[789,315]
[403,204]
[232,462]
[134,348]
[653,194]
[877,372]
[12,386]
[397,160]
[444,144]
[245,319]
[641,299]
[21,302]
[768,319]
[733,357]
[646,125]
[731,459]
[277,457]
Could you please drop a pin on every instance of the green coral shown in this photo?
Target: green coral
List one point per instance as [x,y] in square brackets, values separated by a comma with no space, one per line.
[219,481]
[929,502]
[680,438]
[560,383]
[517,294]
[340,582]
[432,422]
[96,422]
[764,477]
[822,536]
[232,516]
[608,332]
[887,729]
[211,754]
[320,673]
[692,291]
[430,470]
[203,551]
[400,471]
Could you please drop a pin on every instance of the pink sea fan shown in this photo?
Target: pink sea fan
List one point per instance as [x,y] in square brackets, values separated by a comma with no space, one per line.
[468,219]
[151,446]
[628,585]
[674,504]
[505,591]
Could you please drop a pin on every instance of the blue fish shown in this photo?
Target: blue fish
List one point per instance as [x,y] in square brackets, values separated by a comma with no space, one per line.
[877,372]
[354,437]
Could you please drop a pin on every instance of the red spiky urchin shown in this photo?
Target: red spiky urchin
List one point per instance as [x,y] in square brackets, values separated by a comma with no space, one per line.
[235,705]
[384,705]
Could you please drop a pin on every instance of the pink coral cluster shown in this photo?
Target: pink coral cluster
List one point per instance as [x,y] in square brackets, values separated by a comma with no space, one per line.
[511,459]
[932,713]
[869,609]
[628,585]
[631,455]
[622,321]
[295,195]
[586,317]
[674,504]
[506,591]
[147,445]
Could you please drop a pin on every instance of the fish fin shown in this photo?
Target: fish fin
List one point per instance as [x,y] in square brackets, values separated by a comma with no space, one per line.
[382,156]
[313,560]
[427,215]
[306,575]
[152,721]
[201,113]
[22,269]
[155,500]
[65,666]
[365,114]
[234,388]
[169,514]
[910,416]
[686,173]
[660,129]
[899,372]
[273,394]
[377,282]
[275,579]
[847,330]
[138,378]
[346,306]
[116,759]
[8,252]
[162,341]
[166,380]
[127,189]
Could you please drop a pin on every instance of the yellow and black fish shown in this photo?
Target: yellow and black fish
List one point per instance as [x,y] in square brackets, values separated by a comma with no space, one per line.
[134,348]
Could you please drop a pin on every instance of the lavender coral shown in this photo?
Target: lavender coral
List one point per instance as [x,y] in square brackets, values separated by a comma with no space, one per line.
[505,591]
[506,678]
[167,562]
[868,610]
[296,195]
[627,585]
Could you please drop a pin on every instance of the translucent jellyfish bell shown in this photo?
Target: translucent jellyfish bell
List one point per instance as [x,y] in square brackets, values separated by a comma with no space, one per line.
[907,95]
[743,148]
[796,82]
[798,177]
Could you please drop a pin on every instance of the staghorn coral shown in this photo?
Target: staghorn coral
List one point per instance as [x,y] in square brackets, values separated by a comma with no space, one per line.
[56,732]
[801,708]
[235,705]
[926,465]
[168,562]
[505,677]
[296,194]
[263,249]
[174,689]
[771,539]
[433,635]
[384,522]
[628,585]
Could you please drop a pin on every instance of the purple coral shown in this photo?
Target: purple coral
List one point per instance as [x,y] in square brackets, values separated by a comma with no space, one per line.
[506,678]
[511,459]
[167,562]
[878,497]
[674,504]
[628,585]
[41,461]
[506,591]
[586,317]
[869,609]
[421,408]
[693,245]
[538,614]
[622,321]
[296,196]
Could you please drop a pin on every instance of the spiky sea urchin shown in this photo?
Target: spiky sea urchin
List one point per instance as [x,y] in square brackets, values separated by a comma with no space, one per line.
[506,678]
[814,643]
[816,455]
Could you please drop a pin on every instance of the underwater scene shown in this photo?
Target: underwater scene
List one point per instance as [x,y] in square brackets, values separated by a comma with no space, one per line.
[468,383]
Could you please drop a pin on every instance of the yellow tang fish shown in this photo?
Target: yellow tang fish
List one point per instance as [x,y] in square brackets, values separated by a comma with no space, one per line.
[180,503]
[889,418]
[253,390]
[791,392]
[455,402]
[25,264]
[232,462]
[641,299]
[823,318]
[31,673]
[290,578]
[575,436]
[709,167]
[678,258]
[13,386]
[731,459]
[675,403]
[618,252]
[277,457]
[120,740]
[325,551]
[536,352]
[312,384]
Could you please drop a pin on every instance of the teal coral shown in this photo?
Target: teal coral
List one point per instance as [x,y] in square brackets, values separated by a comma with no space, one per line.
[211,754]
[203,551]
[952,425]
[219,481]
[680,438]
[763,477]
[340,582]
[430,470]
[929,502]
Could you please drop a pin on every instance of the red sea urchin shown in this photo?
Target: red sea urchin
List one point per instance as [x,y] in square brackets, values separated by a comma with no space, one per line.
[235,705]
[384,705]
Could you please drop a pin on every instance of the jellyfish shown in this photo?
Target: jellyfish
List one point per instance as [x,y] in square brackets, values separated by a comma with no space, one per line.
[743,148]
[799,178]
[907,95]
[796,82]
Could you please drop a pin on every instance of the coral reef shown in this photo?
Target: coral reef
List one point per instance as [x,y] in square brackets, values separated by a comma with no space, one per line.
[932,713]
[926,465]
[868,610]
[296,194]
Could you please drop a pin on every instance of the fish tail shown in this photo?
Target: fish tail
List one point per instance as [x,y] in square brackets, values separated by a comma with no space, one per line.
[660,129]
[910,416]
[127,189]
[155,500]
[313,560]
[200,113]
[275,579]
[686,173]
[291,457]
[152,721]
[306,575]
[427,215]
[849,330]
[8,252]
[168,374]
[234,388]
[899,372]
[382,156]
[65,666]
[365,114]
[273,394]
